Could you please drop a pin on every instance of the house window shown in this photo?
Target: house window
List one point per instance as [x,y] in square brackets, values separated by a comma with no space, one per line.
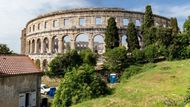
[45,25]
[98,21]
[81,21]
[125,22]
[137,23]
[66,22]
[55,23]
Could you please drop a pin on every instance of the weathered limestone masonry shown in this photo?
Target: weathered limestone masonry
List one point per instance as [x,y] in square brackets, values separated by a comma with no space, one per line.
[44,36]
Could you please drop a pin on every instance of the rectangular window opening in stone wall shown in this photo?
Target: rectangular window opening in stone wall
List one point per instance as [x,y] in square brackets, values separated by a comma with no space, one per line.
[45,25]
[29,29]
[82,22]
[66,22]
[98,21]
[55,23]
[39,26]
[33,27]
[125,22]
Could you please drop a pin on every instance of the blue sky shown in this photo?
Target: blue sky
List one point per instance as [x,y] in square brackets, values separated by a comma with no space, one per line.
[15,14]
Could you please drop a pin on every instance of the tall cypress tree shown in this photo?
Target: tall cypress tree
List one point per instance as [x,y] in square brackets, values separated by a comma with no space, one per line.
[147,25]
[174,26]
[111,34]
[132,37]
[148,17]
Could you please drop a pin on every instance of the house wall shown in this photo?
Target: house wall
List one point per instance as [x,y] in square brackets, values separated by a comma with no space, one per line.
[11,87]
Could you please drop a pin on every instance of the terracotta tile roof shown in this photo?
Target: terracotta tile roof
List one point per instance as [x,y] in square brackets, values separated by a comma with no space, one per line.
[16,65]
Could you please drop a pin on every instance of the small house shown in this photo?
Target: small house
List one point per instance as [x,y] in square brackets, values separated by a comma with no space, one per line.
[20,82]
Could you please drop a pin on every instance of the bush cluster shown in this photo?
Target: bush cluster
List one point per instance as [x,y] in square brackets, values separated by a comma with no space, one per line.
[78,85]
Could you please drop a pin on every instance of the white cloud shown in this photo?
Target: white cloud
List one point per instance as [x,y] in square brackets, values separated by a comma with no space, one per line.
[14,14]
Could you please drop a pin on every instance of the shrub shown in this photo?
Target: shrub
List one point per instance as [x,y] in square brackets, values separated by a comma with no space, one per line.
[151,53]
[88,57]
[61,63]
[78,85]
[138,55]
[131,71]
[116,59]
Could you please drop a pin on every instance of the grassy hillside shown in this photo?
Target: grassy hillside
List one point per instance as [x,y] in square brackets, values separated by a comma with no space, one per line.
[162,84]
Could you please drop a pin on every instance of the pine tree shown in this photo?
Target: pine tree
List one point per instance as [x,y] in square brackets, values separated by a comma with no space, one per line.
[174,26]
[132,37]
[111,34]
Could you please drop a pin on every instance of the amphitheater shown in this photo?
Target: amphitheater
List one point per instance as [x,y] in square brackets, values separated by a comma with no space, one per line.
[56,32]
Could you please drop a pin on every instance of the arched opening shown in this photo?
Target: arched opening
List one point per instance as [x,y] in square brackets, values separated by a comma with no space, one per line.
[29,47]
[33,46]
[55,44]
[124,41]
[38,46]
[81,42]
[99,45]
[45,45]
[45,65]
[66,43]
[37,63]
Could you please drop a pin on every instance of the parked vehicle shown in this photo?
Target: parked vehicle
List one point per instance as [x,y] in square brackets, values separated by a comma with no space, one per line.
[44,89]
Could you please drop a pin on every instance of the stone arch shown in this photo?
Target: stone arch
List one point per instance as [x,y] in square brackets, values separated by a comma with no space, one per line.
[38,45]
[37,63]
[98,43]
[55,44]
[45,45]
[66,43]
[44,65]
[82,40]
[33,46]
[124,41]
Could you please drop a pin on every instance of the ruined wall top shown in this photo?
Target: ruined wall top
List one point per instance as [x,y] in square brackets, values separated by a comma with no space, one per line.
[81,10]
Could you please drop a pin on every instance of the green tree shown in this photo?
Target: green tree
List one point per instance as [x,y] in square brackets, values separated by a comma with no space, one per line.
[88,57]
[151,53]
[111,34]
[132,37]
[149,36]
[164,36]
[146,28]
[4,49]
[186,25]
[138,55]
[116,59]
[178,46]
[64,62]
[174,26]
[148,17]
[79,85]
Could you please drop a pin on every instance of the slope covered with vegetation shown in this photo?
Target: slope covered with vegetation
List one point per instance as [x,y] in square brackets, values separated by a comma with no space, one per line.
[163,84]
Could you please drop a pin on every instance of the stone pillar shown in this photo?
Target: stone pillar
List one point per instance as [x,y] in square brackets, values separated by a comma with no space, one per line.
[50,45]
[60,45]
[30,46]
[72,41]
[42,46]
[35,47]
[90,42]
